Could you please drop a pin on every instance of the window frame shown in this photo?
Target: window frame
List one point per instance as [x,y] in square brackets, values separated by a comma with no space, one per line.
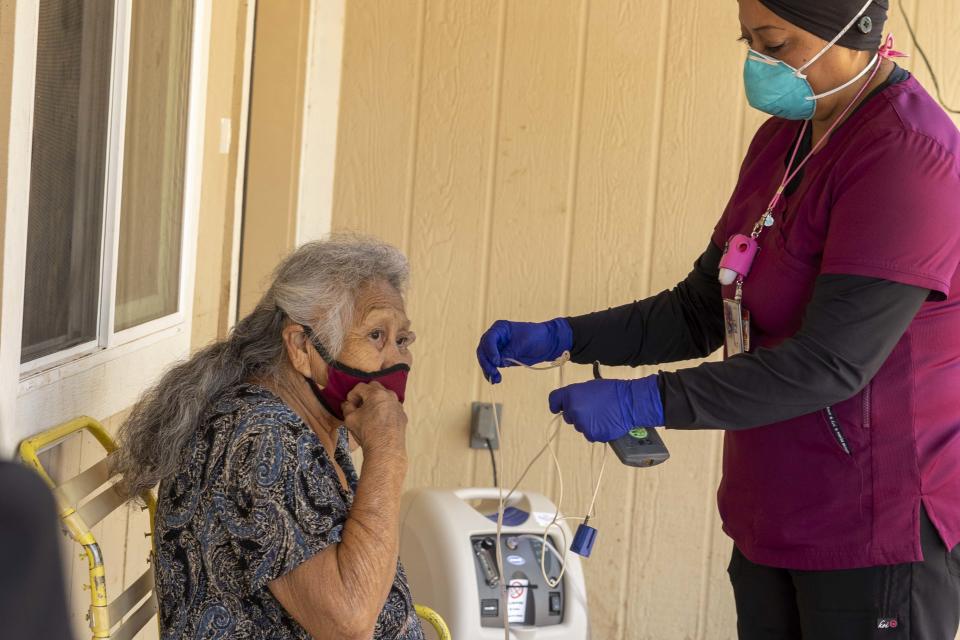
[103,376]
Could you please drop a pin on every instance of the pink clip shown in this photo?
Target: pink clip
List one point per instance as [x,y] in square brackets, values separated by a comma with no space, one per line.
[887,51]
[738,258]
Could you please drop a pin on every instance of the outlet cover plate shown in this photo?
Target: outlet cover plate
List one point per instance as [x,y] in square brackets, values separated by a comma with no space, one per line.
[481,414]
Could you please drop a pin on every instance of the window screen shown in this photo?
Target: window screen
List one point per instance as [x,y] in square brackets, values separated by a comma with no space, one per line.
[71,109]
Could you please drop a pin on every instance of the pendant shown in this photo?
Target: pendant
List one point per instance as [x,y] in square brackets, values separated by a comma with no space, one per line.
[768,220]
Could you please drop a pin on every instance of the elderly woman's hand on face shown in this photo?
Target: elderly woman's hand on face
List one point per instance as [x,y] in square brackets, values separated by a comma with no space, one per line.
[374,416]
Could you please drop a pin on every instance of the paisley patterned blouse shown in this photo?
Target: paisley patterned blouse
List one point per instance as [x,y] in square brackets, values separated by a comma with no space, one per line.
[256,495]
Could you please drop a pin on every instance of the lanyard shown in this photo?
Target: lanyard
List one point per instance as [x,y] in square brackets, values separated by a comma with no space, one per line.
[767,220]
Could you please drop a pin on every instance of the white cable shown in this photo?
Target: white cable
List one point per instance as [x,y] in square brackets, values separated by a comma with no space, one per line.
[555,522]
[533,461]
[553,364]
[850,82]
[556,554]
[543,555]
[557,519]
[547,543]
[503,582]
[596,488]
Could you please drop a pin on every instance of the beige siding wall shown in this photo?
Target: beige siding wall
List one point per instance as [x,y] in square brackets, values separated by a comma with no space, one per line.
[544,157]
[276,125]
[215,242]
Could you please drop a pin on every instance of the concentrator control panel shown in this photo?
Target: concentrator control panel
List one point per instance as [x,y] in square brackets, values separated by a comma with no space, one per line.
[530,599]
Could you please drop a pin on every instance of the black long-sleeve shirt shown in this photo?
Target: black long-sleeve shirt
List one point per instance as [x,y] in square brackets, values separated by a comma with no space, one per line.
[850,327]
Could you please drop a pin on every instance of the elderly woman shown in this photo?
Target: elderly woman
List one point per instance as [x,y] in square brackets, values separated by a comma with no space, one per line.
[264,529]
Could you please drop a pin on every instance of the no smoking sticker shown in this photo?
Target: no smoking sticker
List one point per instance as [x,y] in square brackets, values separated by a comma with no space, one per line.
[517,600]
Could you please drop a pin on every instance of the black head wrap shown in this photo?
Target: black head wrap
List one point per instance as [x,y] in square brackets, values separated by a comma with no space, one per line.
[827,18]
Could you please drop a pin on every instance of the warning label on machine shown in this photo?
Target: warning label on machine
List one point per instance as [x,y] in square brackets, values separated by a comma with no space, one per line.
[517,600]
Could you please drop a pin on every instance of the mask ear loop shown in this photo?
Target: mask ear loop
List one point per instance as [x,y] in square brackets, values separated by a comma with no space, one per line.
[836,39]
[852,81]
[324,355]
[313,339]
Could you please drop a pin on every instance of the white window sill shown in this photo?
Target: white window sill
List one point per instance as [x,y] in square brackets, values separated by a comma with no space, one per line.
[101,384]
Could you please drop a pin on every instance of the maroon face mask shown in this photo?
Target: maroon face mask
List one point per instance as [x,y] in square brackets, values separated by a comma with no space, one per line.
[341,379]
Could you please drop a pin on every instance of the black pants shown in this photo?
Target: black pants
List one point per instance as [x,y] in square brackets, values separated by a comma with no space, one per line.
[912,601]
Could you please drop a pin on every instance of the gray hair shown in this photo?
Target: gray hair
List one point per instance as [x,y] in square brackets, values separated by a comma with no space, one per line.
[317,285]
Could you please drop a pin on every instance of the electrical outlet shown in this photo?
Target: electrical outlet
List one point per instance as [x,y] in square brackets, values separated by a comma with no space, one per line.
[482,425]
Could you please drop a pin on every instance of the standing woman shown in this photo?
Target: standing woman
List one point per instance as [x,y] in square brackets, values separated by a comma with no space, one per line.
[832,280]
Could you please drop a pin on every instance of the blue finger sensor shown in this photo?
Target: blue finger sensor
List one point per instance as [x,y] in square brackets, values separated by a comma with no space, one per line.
[583,540]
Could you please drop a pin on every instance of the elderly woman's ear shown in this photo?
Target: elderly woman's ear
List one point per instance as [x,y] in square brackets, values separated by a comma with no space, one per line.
[301,355]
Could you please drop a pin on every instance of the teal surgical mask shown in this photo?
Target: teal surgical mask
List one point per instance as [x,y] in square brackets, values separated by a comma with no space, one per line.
[774,87]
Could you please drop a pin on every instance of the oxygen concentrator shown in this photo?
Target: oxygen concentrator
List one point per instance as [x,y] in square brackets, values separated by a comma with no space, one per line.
[448,548]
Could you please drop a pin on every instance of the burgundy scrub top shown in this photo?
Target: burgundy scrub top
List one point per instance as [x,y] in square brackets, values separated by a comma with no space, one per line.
[881,199]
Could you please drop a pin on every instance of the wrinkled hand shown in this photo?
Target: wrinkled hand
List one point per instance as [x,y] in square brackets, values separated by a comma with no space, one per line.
[605,410]
[526,342]
[375,418]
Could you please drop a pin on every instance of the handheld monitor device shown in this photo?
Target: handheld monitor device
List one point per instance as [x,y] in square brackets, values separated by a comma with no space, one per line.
[639,448]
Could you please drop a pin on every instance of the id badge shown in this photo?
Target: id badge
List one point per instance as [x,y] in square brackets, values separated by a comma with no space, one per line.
[736,322]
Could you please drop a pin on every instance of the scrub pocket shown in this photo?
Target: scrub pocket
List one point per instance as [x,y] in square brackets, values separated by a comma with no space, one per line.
[836,429]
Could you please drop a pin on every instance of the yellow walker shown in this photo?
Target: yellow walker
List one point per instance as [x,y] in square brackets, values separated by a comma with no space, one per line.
[79,515]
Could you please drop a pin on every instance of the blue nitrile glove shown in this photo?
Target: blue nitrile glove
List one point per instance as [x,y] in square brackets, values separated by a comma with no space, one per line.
[526,342]
[606,410]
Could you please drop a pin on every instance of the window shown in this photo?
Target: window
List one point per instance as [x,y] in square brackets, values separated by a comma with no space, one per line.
[107,188]
[103,170]
[151,217]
